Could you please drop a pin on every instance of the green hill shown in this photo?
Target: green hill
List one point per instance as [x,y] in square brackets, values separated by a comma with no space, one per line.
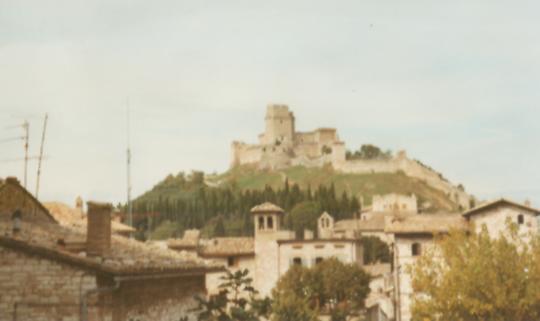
[206,201]
[360,185]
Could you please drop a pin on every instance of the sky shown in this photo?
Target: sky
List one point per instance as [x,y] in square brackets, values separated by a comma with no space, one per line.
[455,83]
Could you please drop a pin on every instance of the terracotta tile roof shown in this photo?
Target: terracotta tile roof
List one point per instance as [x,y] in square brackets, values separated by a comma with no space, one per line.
[501,201]
[126,256]
[71,217]
[424,223]
[267,207]
[374,224]
[227,246]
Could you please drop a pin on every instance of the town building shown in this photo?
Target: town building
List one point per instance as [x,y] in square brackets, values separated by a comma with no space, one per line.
[412,235]
[52,272]
[272,251]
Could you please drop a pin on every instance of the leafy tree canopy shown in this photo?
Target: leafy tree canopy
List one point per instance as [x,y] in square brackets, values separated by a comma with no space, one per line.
[330,287]
[478,278]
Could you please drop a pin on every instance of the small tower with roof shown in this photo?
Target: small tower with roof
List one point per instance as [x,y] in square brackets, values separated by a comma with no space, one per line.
[267,218]
[325,226]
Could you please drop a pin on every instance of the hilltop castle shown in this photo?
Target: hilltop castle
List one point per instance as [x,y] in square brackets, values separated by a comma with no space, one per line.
[281,146]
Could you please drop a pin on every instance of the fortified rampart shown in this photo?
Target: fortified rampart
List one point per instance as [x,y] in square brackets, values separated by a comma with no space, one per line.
[280,146]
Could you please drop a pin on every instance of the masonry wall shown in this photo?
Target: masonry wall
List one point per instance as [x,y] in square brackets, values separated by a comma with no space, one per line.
[495,221]
[166,299]
[402,279]
[13,197]
[213,280]
[346,252]
[37,289]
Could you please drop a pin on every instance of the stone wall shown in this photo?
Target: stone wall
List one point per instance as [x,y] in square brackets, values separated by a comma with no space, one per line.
[13,196]
[166,299]
[308,252]
[37,289]
[213,280]
[404,258]
[495,221]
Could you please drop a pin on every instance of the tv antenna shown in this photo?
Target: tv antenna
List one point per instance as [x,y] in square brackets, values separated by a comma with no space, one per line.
[128,154]
[40,154]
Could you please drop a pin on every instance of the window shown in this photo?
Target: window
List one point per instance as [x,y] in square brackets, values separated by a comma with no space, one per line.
[270,222]
[297,261]
[318,260]
[416,249]
[521,219]
[261,223]
[231,261]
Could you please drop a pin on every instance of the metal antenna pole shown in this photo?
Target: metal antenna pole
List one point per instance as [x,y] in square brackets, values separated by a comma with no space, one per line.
[41,153]
[26,127]
[129,205]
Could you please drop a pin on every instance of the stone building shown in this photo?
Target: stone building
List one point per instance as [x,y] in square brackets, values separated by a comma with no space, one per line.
[414,234]
[495,214]
[271,252]
[14,197]
[51,272]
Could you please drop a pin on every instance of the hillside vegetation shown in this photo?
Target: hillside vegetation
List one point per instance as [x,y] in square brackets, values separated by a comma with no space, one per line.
[220,204]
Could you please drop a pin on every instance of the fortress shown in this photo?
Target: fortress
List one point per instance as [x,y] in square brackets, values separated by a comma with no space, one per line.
[281,146]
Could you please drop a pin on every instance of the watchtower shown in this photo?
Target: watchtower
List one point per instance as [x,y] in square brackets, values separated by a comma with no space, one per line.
[279,125]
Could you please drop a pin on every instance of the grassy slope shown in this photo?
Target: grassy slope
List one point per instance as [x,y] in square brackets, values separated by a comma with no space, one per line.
[365,185]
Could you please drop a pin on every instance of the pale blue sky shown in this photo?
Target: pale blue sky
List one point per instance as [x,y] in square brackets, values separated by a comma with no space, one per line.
[454,82]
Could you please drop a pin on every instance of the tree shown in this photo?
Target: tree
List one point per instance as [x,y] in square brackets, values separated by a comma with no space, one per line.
[235,302]
[330,287]
[375,250]
[219,228]
[478,278]
[303,216]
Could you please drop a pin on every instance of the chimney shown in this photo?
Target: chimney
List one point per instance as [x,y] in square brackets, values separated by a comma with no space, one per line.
[527,203]
[12,180]
[98,233]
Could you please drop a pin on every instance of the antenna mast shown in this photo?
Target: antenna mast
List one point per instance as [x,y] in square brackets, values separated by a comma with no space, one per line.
[129,205]
[41,153]
[26,127]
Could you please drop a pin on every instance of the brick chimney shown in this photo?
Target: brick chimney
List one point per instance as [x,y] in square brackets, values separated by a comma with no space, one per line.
[98,233]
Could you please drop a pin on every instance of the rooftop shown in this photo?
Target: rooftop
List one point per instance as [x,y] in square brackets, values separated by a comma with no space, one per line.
[71,217]
[502,201]
[425,224]
[267,207]
[126,256]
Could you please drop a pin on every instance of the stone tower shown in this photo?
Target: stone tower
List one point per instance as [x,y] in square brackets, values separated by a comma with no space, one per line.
[279,125]
[267,217]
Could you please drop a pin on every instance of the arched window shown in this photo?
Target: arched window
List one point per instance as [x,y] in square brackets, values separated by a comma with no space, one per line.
[297,261]
[416,249]
[270,222]
[318,260]
[521,219]
[261,223]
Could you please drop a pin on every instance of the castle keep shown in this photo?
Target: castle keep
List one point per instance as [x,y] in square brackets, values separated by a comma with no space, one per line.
[281,146]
